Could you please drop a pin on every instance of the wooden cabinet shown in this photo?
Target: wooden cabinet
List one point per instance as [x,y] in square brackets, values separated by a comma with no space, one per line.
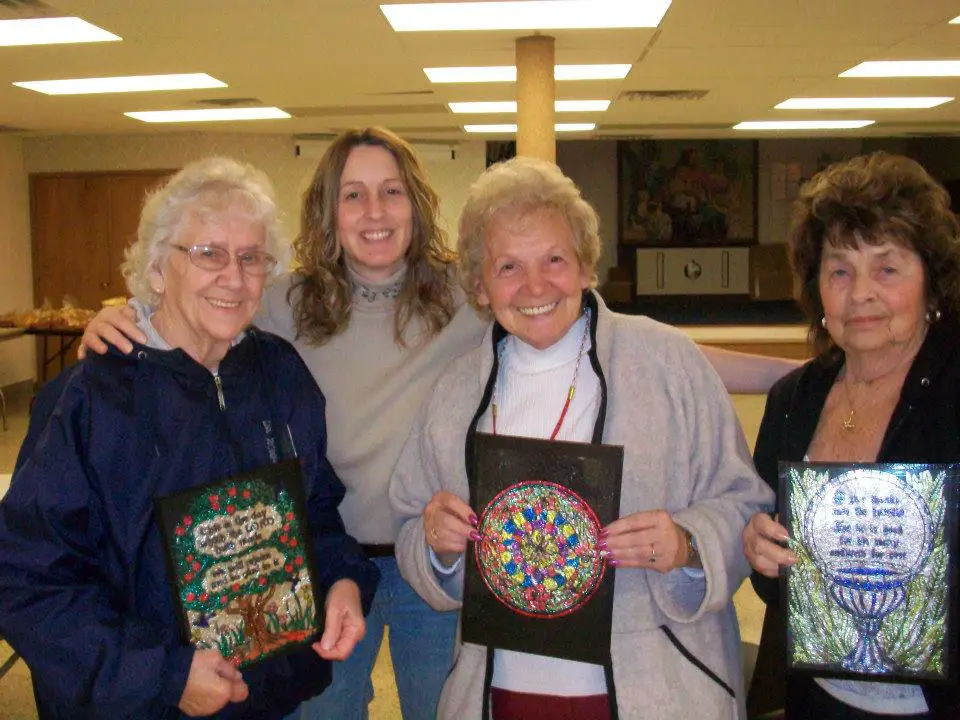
[80,225]
[693,271]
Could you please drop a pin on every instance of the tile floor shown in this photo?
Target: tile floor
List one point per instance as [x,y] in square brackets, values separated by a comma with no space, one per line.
[16,697]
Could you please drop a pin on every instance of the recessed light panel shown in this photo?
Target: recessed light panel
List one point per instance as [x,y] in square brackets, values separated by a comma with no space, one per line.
[51,31]
[535,15]
[904,68]
[508,73]
[509,106]
[511,128]
[215,115]
[863,103]
[803,125]
[133,83]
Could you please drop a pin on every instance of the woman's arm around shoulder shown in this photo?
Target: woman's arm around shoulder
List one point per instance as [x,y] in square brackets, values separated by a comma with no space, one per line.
[747,373]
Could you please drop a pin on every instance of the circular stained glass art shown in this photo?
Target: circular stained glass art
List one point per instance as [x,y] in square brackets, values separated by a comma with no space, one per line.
[538,551]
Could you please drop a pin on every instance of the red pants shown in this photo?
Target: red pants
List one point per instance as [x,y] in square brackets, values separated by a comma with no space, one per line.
[506,705]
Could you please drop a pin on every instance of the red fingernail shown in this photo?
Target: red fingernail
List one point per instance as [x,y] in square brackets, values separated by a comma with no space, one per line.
[604,533]
[475,536]
[602,544]
[473,519]
[612,561]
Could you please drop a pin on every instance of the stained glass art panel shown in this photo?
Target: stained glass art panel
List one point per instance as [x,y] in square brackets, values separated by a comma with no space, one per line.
[536,582]
[239,562]
[869,597]
[538,554]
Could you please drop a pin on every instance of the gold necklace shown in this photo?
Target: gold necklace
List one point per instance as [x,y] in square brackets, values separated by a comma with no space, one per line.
[848,424]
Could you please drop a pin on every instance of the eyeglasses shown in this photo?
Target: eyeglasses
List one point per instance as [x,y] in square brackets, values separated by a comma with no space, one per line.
[213,259]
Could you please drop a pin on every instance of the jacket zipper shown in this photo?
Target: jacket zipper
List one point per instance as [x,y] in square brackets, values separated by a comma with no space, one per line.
[219,384]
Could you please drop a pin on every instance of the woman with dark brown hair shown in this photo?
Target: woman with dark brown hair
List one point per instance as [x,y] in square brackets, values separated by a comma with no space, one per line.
[876,256]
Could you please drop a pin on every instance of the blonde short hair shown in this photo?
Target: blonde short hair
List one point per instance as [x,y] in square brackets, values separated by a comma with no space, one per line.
[515,188]
[205,186]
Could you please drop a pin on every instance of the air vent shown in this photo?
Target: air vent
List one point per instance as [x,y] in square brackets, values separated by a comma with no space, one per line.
[26,10]
[231,102]
[656,95]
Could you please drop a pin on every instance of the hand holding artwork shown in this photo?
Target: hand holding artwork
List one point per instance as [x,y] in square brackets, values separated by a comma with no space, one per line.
[649,539]
[212,683]
[343,625]
[448,523]
[762,538]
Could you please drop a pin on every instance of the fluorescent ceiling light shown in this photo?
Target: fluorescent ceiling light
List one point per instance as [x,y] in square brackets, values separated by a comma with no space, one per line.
[508,73]
[905,68]
[501,128]
[955,21]
[510,106]
[502,73]
[51,31]
[538,15]
[590,72]
[862,103]
[581,105]
[803,125]
[213,115]
[511,128]
[133,83]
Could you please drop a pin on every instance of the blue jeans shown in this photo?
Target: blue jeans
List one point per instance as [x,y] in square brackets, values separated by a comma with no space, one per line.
[421,647]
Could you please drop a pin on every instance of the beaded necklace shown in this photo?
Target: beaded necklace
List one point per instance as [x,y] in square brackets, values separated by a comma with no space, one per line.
[570,391]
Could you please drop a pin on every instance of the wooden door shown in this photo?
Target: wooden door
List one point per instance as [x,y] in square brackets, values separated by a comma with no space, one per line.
[70,219]
[80,224]
[126,194]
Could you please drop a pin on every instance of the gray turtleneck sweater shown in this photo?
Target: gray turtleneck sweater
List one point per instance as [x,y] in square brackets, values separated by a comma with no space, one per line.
[374,388]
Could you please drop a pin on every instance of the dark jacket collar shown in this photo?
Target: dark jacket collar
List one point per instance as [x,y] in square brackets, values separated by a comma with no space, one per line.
[178,362]
[940,347]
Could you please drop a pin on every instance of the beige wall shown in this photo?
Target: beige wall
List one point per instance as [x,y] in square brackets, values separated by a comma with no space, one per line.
[274,154]
[16,276]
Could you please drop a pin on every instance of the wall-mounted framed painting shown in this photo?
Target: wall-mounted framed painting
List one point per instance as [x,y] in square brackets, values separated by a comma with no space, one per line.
[687,193]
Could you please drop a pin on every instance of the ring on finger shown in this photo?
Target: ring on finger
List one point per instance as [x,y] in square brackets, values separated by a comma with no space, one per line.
[653,555]
[434,533]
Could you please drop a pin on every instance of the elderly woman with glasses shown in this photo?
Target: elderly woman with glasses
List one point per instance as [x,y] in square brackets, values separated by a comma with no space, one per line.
[83,590]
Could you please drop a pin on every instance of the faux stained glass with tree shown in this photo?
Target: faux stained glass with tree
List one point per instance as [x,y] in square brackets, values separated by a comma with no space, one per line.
[240,561]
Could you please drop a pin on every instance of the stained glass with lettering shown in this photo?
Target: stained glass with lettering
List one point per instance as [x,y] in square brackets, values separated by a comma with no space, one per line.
[870,594]
[239,560]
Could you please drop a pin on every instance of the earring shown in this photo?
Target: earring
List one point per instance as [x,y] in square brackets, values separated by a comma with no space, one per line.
[823,322]
[932,316]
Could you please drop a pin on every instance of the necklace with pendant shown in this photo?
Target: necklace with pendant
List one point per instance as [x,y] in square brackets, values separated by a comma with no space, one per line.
[570,391]
[849,423]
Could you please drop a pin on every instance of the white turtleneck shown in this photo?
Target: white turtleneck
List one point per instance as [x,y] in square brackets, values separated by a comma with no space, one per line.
[531,389]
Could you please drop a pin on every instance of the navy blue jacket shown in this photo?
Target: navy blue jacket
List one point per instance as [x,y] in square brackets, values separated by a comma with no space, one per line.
[925,427]
[84,595]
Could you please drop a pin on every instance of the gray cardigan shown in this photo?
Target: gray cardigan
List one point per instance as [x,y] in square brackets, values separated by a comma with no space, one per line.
[684,452]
